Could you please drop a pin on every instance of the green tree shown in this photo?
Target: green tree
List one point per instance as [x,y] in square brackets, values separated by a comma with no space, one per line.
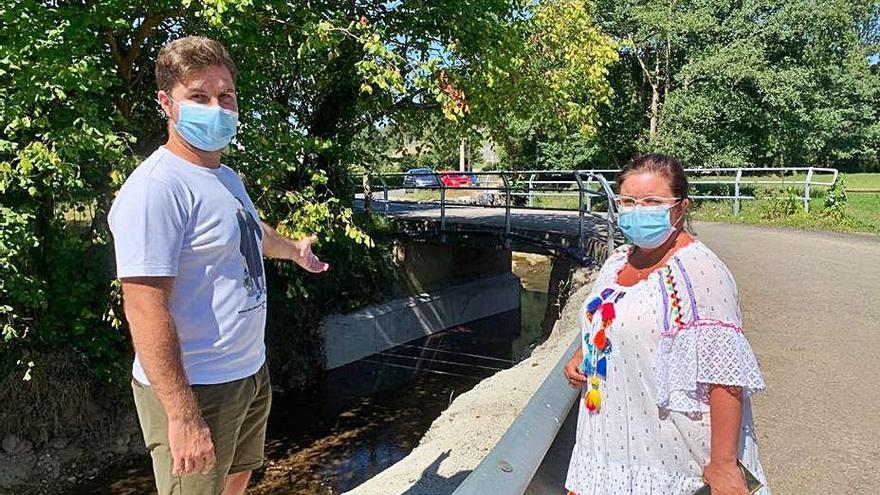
[77,112]
[757,83]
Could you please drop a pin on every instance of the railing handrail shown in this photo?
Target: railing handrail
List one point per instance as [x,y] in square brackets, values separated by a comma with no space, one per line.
[610,216]
[530,180]
[509,468]
[509,192]
[612,170]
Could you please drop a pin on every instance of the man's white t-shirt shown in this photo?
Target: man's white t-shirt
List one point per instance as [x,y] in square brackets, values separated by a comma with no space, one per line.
[174,218]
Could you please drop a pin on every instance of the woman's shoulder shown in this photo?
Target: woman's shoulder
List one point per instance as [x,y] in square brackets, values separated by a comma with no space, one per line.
[618,256]
[708,283]
[700,263]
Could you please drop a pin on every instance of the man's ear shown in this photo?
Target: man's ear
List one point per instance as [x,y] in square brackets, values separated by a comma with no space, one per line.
[165,102]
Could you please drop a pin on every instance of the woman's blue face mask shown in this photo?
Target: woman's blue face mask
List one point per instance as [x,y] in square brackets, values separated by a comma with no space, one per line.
[646,226]
[208,128]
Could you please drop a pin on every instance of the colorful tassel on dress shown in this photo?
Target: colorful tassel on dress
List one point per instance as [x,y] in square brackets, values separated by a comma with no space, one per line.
[592,306]
[600,341]
[593,399]
[597,346]
[607,311]
[602,368]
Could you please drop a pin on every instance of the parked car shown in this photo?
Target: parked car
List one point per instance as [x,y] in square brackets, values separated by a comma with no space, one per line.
[452,178]
[420,177]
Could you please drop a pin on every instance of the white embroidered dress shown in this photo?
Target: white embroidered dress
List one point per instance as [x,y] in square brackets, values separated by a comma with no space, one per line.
[672,335]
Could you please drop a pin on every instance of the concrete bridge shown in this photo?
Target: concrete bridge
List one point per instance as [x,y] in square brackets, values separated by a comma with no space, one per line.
[582,236]
[455,263]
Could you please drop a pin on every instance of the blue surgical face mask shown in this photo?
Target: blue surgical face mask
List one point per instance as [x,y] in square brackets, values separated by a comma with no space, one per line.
[208,128]
[646,226]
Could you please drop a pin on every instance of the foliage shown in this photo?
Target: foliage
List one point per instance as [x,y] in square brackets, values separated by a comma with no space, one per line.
[834,206]
[757,83]
[537,71]
[552,84]
[59,154]
[317,81]
[573,152]
[781,204]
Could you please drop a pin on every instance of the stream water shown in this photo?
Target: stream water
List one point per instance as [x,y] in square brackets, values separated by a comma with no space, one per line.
[366,416]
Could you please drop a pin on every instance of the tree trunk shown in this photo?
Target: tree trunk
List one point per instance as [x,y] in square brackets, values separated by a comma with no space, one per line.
[655,97]
[463,155]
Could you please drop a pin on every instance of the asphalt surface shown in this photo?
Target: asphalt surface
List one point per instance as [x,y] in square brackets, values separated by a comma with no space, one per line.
[811,304]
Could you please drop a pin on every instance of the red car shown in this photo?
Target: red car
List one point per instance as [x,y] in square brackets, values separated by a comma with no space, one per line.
[451,178]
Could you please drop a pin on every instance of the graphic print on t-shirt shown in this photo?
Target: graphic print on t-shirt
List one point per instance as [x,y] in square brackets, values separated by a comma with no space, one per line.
[249,246]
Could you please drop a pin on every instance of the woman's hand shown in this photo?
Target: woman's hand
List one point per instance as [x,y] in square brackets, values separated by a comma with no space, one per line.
[572,371]
[725,479]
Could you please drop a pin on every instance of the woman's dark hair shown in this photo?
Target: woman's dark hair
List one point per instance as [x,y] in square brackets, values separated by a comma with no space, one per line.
[665,165]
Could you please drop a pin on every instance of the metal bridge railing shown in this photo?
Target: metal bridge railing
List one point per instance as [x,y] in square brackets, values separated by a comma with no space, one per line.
[739,177]
[509,185]
[562,183]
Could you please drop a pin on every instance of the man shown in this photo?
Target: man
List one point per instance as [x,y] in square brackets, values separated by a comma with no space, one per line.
[188,251]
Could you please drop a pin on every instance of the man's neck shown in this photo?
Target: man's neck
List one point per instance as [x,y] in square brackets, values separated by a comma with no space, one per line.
[207,159]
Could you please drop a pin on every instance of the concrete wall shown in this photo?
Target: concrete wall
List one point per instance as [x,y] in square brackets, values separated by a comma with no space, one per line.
[426,265]
[354,336]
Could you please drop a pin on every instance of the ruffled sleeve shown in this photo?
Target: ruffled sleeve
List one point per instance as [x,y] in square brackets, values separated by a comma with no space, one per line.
[702,342]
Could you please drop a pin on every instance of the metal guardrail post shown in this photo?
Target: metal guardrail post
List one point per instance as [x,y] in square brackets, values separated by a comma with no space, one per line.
[507,222]
[589,196]
[807,190]
[580,183]
[368,192]
[442,207]
[739,174]
[384,193]
[611,216]
[531,198]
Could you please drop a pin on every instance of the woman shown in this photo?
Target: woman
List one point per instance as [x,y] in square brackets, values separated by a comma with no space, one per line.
[667,370]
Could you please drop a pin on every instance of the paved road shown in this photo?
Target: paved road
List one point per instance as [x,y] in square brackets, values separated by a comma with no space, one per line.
[811,304]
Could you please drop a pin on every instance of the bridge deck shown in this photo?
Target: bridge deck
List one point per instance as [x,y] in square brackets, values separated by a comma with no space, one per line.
[531,230]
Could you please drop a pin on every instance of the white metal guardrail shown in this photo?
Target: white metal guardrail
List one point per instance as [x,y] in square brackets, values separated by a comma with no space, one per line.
[589,186]
[738,177]
[549,183]
[508,184]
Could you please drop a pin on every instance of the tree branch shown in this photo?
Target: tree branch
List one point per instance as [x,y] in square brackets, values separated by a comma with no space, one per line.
[641,62]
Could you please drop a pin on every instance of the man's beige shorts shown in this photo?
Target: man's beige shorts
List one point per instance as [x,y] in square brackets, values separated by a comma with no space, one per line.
[236,412]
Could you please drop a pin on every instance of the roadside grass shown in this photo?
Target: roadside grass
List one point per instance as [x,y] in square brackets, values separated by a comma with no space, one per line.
[865,207]
[863,181]
[754,213]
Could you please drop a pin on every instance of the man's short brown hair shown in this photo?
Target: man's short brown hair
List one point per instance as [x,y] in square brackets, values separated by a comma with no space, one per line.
[184,57]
